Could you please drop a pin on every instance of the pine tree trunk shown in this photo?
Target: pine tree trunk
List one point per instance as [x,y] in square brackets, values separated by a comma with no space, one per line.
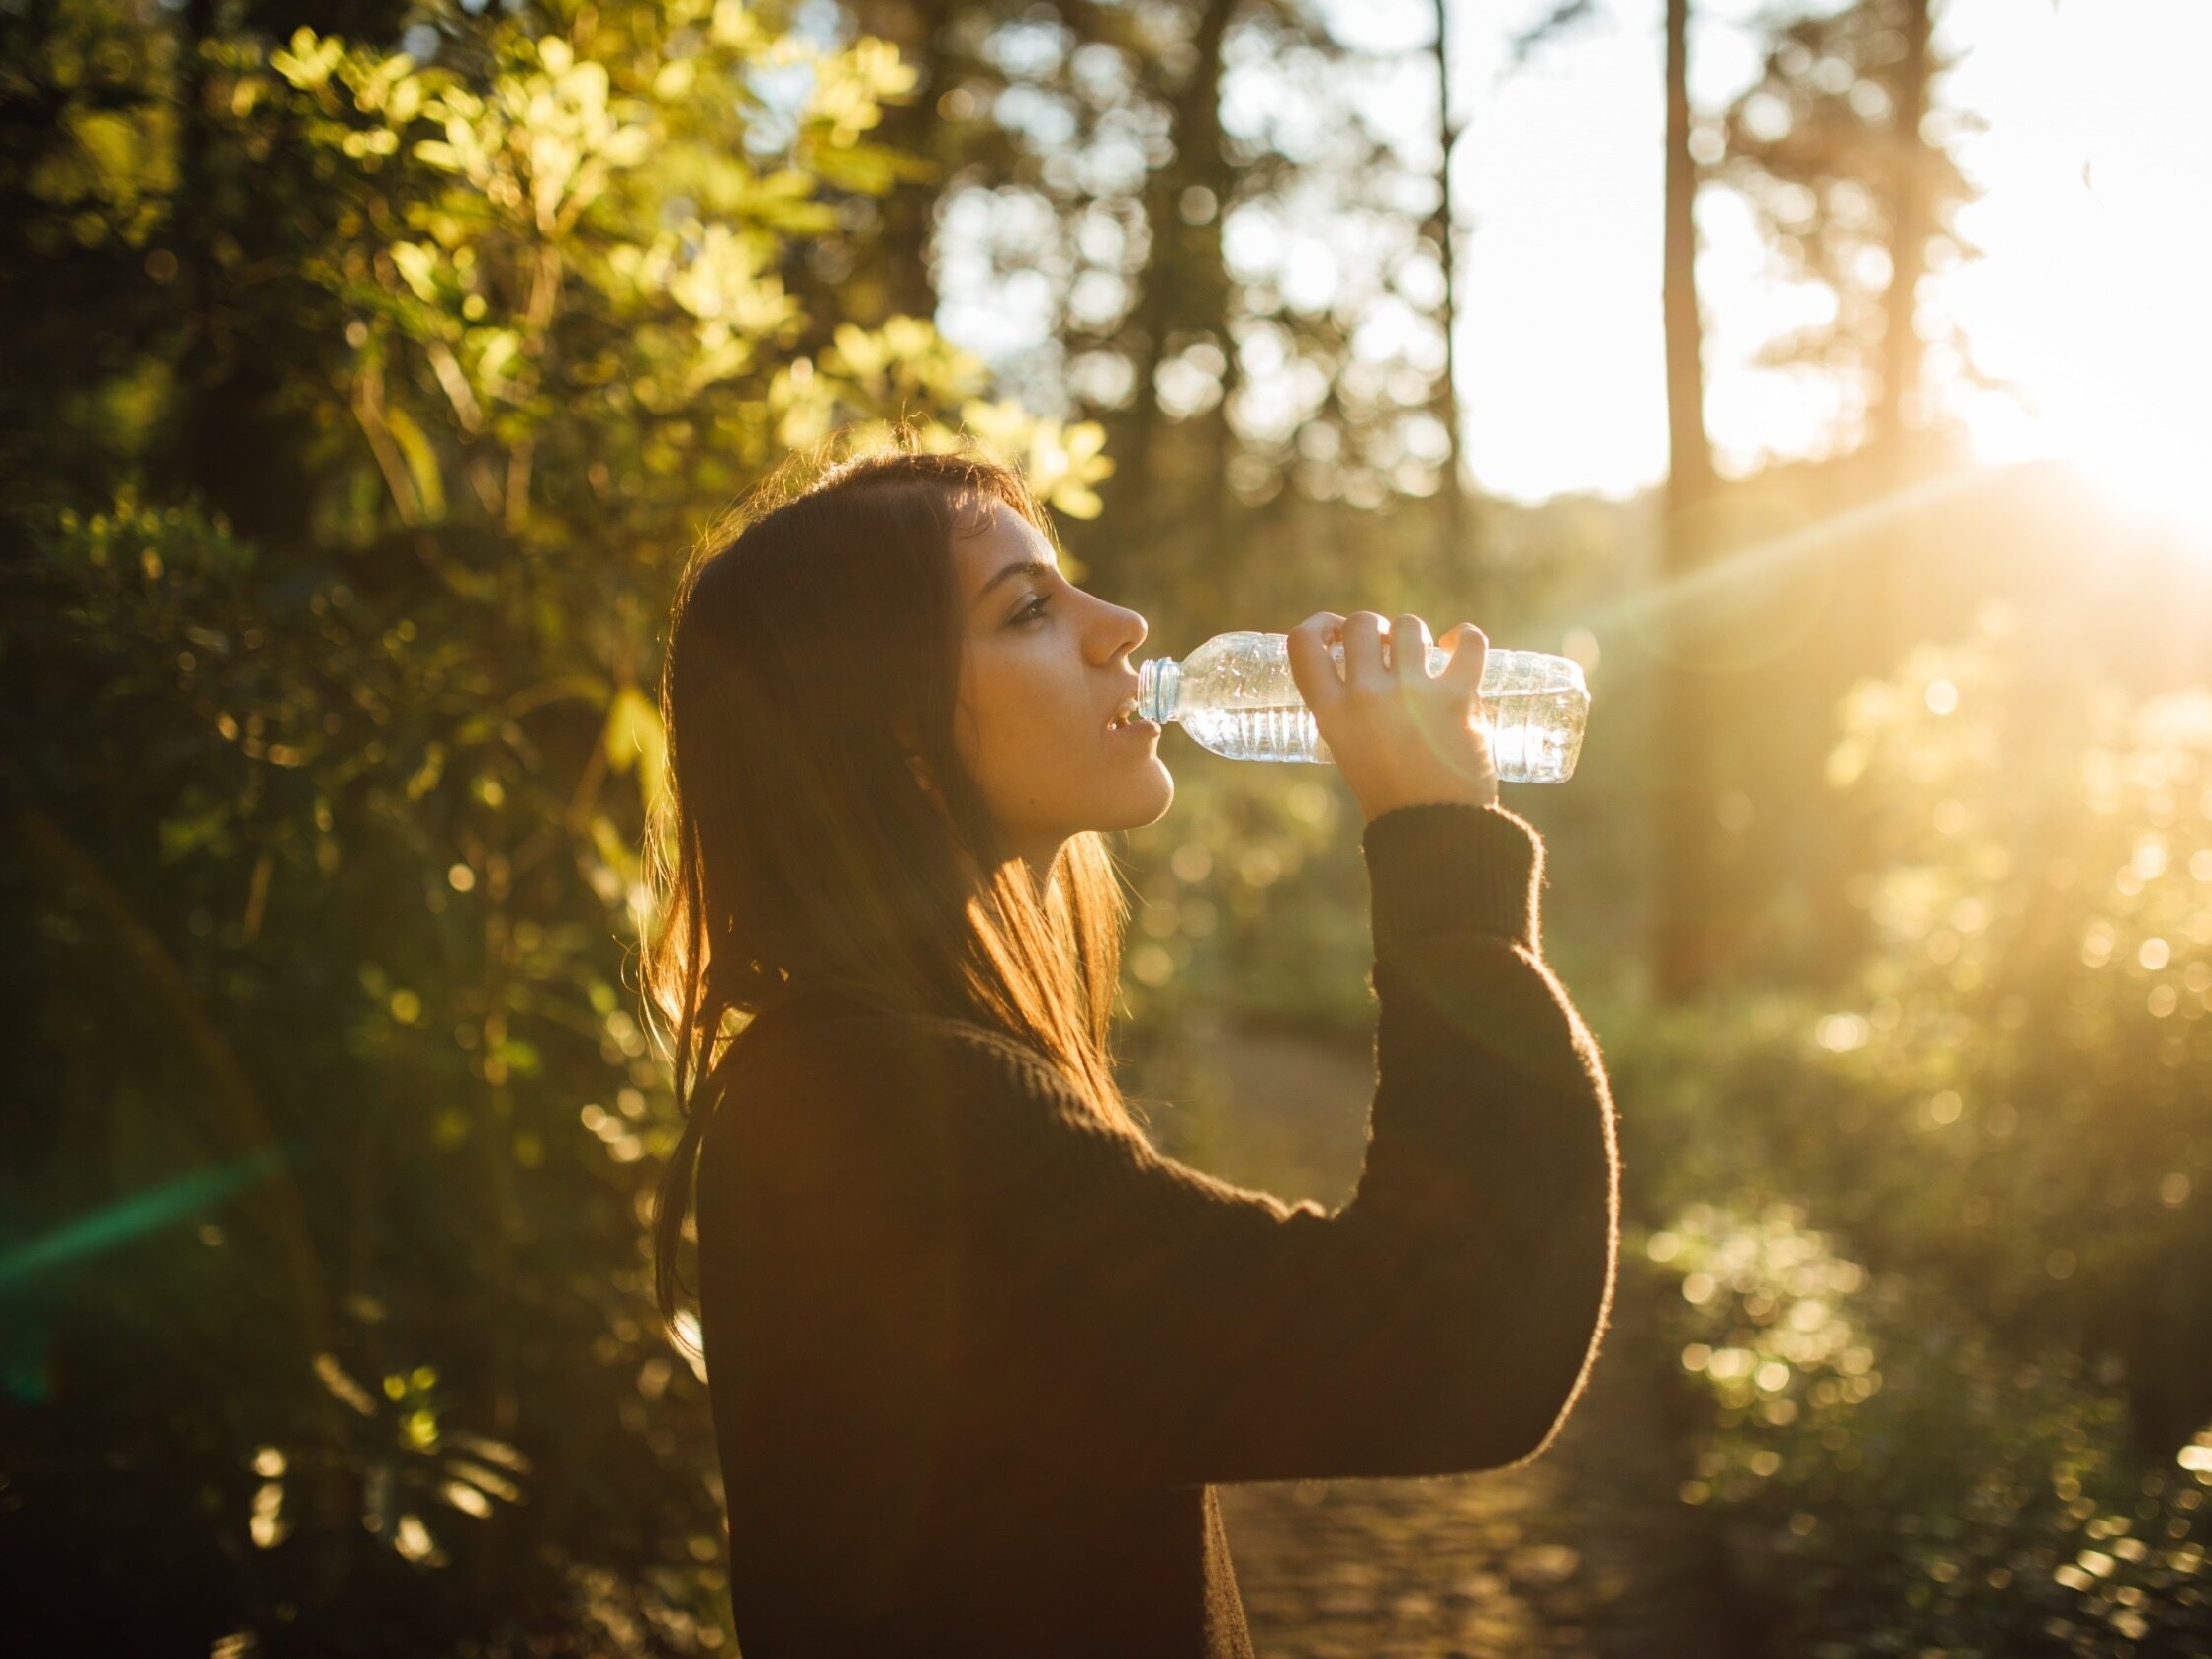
[1169,497]
[1457,563]
[1685,932]
[1901,349]
[896,279]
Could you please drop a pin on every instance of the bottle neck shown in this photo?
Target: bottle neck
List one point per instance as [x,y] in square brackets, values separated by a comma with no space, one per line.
[1160,685]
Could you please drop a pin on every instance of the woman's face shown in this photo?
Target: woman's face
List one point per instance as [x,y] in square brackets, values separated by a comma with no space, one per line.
[1045,678]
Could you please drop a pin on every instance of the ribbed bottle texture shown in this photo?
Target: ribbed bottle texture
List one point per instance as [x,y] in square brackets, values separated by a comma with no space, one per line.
[1236,696]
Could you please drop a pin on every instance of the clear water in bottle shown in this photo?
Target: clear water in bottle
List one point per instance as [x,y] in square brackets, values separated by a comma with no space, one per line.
[1236,696]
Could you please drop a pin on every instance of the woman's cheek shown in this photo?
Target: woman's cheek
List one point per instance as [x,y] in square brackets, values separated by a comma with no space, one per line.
[1029,744]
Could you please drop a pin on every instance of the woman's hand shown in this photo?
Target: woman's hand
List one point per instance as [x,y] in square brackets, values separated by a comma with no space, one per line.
[1401,736]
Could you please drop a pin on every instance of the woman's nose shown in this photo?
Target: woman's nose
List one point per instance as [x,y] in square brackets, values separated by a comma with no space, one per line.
[1120,632]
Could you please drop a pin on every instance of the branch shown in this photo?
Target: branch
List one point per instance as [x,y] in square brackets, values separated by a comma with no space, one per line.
[1564,18]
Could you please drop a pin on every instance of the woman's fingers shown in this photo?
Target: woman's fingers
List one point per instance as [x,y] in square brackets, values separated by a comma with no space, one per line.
[1373,654]
[1364,672]
[1311,667]
[1469,648]
[1408,648]
[1403,737]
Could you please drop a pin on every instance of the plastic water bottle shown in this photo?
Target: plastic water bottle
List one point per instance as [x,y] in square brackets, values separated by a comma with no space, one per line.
[1236,696]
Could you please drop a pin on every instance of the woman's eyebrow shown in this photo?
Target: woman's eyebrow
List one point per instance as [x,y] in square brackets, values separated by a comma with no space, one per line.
[1023,567]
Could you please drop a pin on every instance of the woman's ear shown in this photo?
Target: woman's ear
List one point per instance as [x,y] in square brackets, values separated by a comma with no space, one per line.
[925,775]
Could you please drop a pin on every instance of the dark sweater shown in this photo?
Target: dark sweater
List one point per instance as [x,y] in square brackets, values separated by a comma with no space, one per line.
[977,1352]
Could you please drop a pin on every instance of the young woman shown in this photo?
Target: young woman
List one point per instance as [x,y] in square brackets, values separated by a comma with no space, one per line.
[976,1349]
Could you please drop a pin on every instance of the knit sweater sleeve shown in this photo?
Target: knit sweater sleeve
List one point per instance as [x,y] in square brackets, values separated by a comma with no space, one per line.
[1160,1326]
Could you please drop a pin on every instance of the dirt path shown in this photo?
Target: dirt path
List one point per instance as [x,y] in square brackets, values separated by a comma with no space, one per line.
[1368,1569]
[1585,1552]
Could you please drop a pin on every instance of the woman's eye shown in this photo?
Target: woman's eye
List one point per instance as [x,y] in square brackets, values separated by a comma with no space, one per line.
[1032,611]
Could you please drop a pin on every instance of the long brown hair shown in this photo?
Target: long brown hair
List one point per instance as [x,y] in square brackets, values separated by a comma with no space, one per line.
[808,692]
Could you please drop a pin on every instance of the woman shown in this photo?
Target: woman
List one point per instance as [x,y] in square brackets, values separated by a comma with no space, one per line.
[976,1349]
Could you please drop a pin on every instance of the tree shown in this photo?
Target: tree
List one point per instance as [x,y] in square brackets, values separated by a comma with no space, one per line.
[1183,221]
[1444,230]
[1685,804]
[1843,148]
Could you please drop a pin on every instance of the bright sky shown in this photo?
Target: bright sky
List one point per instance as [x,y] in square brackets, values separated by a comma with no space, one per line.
[2098,173]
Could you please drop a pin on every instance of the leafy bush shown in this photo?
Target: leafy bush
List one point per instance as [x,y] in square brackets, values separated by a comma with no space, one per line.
[324,1322]
[1962,1438]
[1893,1481]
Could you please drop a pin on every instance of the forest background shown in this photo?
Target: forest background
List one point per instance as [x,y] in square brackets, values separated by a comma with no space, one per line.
[371,369]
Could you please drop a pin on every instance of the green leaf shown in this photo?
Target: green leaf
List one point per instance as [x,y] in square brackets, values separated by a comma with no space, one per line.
[634,738]
[421,462]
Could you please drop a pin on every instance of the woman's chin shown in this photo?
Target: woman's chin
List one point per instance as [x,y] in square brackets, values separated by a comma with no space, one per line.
[1147,800]
[1166,790]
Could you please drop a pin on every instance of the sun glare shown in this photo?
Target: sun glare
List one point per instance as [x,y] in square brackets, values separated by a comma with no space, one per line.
[2126,384]
[2157,474]
[2095,318]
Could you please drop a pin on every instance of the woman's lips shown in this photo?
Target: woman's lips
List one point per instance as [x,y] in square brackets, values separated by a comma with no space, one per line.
[1124,721]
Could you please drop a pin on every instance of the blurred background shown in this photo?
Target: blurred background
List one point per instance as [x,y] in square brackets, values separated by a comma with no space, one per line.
[1829,379]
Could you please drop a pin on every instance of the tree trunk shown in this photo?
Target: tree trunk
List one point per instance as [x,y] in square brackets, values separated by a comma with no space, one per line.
[1690,455]
[895,278]
[1684,945]
[1169,497]
[1909,234]
[1456,563]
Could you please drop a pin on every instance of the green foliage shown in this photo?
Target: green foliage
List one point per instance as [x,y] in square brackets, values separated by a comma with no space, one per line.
[579,274]
[333,1329]
[1892,1480]
[331,870]
[1969,1443]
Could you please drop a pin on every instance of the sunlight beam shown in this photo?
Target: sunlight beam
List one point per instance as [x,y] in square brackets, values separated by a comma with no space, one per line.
[1662,601]
[135,1215]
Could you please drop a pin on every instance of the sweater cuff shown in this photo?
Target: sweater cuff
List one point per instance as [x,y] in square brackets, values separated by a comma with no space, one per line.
[1449,869]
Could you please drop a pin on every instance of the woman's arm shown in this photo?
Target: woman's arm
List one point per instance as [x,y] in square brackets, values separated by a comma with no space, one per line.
[1158,1324]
